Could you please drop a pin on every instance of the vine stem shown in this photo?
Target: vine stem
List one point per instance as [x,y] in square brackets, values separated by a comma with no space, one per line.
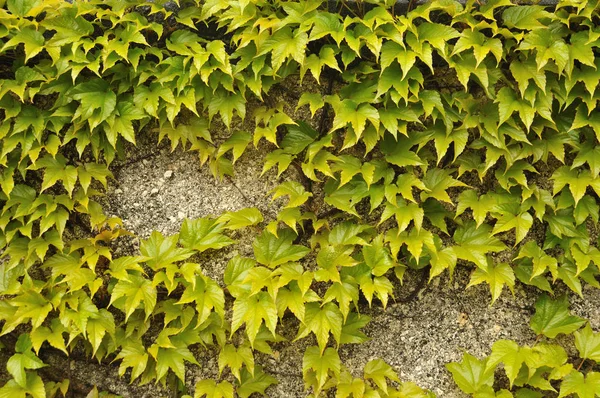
[580,364]
[537,339]
[344,5]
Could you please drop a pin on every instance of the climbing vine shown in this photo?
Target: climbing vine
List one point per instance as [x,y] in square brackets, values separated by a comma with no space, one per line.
[443,134]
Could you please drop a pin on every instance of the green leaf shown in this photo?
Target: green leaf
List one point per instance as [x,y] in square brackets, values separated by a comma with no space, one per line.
[508,103]
[522,223]
[525,17]
[120,122]
[123,38]
[523,273]
[22,7]
[349,112]
[548,47]
[391,51]
[162,251]
[587,207]
[133,355]
[348,166]
[590,154]
[395,119]
[480,205]
[494,275]
[406,183]
[99,172]
[487,9]
[511,355]
[202,234]
[57,170]
[98,326]
[252,311]
[273,251]
[583,259]
[23,359]
[294,190]
[329,258]
[436,34]
[480,44]
[257,383]
[30,305]
[379,285]
[577,181]
[474,243]
[277,157]
[562,224]
[313,100]
[526,70]
[344,293]
[291,298]
[149,98]
[404,214]
[437,181]
[377,370]
[326,23]
[135,290]
[544,355]
[97,101]
[235,359]
[172,358]
[414,240]
[32,39]
[241,218]
[568,274]
[443,141]
[315,63]
[400,154]
[351,333]
[210,389]
[581,49]
[225,104]
[552,317]
[346,197]
[348,233]
[324,364]
[53,335]
[193,131]
[321,321]
[237,143]
[235,273]
[207,295]
[588,343]
[348,386]
[471,375]
[377,257]
[284,45]
[587,386]
[541,261]
[34,386]
[298,137]
[441,260]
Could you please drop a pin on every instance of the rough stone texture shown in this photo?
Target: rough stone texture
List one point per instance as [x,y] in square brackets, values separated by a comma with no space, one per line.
[160,191]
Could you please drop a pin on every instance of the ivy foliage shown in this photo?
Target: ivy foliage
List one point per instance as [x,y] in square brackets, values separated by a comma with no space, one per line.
[545,367]
[449,134]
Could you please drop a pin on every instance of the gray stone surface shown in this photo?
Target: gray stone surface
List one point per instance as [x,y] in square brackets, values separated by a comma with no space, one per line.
[160,193]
